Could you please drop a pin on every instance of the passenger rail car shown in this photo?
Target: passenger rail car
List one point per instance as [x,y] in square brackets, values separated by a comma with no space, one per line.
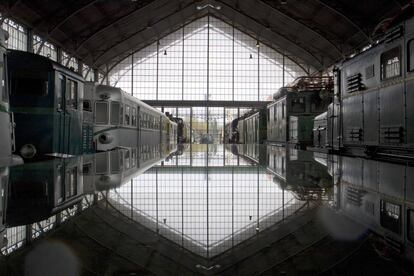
[45,98]
[372,113]
[122,120]
[379,196]
[290,116]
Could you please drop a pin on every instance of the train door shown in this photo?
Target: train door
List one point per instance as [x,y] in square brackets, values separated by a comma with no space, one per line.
[334,116]
[62,127]
[138,118]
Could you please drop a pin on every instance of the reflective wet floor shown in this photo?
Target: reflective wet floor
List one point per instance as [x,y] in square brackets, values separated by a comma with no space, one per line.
[208,210]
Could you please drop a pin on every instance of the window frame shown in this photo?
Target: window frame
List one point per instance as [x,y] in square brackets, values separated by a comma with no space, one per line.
[383,68]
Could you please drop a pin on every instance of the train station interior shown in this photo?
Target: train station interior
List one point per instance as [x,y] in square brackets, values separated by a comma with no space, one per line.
[206,137]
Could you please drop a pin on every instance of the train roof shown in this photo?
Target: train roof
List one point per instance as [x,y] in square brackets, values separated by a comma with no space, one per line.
[123,94]
[21,59]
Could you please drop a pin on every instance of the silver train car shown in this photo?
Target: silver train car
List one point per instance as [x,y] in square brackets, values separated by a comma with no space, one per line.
[121,120]
[372,112]
[380,197]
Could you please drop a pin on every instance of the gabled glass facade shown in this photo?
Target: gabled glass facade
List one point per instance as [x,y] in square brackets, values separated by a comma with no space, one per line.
[207,59]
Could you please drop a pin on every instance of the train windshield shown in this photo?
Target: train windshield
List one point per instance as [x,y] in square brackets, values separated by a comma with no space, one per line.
[101,113]
[28,84]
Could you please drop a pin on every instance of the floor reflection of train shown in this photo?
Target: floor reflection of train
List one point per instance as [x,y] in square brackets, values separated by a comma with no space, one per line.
[110,169]
[38,190]
[4,178]
[299,172]
[379,196]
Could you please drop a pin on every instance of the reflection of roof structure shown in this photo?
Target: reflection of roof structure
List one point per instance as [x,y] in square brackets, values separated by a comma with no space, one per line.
[196,209]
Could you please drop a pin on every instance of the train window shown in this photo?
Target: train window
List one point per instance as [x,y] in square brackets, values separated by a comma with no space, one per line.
[283,110]
[390,63]
[410,58]
[390,216]
[127,115]
[127,160]
[25,83]
[115,113]
[134,116]
[87,106]
[275,112]
[87,169]
[410,230]
[298,105]
[101,113]
[71,94]
[114,161]
[134,157]
[72,183]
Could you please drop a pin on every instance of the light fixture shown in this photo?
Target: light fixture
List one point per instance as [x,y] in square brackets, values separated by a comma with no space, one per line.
[165,52]
[257,44]
[251,56]
[198,7]
[283,2]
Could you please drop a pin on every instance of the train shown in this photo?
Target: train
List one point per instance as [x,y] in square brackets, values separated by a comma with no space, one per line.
[289,119]
[372,111]
[55,113]
[122,120]
[365,109]
[7,134]
[184,132]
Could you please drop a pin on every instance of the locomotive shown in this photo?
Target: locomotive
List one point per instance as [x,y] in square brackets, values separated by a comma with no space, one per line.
[7,142]
[290,116]
[372,112]
[184,134]
[45,98]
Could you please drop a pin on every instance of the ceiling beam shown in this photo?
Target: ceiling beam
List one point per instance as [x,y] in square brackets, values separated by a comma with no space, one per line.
[111,24]
[305,27]
[346,18]
[279,35]
[190,7]
[70,15]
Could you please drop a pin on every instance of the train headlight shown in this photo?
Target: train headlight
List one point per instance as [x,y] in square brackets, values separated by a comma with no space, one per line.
[28,151]
[105,138]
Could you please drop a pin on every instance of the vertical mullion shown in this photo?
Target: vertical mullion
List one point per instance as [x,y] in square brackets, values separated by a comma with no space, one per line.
[132,74]
[182,67]
[158,63]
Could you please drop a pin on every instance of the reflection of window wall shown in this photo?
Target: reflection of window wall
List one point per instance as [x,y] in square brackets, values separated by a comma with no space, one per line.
[207,59]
